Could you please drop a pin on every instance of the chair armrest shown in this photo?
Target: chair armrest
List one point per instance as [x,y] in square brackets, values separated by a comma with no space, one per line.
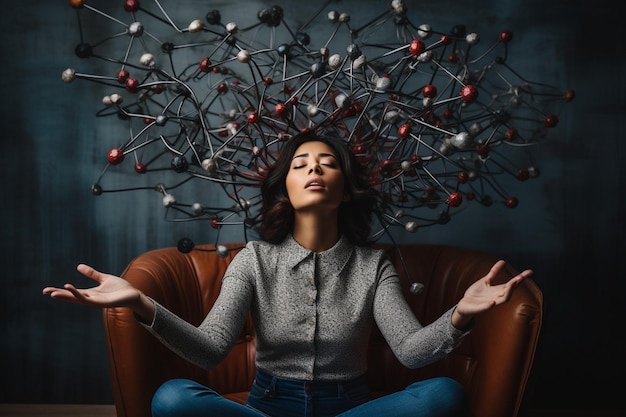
[494,361]
[188,285]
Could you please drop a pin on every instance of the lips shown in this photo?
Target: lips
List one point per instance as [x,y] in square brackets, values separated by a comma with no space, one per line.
[315,183]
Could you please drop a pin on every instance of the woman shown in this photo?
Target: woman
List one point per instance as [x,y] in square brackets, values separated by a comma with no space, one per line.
[315,289]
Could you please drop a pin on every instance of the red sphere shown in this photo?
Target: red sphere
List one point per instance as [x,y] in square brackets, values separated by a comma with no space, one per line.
[445,39]
[131,5]
[511,202]
[482,150]
[115,156]
[268,81]
[506,36]
[511,134]
[253,117]
[77,4]
[122,76]
[205,65]
[404,131]
[462,177]
[522,174]
[386,167]
[429,91]
[140,168]
[455,199]
[222,88]
[469,93]
[132,85]
[215,223]
[550,120]
[281,110]
[569,95]
[416,47]
[157,88]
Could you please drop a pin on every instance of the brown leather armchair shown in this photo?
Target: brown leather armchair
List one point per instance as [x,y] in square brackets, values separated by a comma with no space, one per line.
[493,363]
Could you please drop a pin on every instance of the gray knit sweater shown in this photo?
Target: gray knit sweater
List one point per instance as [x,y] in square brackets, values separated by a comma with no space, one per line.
[312,312]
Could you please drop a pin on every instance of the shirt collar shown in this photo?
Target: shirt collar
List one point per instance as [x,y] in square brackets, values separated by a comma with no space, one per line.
[339,253]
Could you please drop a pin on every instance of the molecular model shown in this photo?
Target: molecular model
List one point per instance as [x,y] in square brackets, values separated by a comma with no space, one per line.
[437,117]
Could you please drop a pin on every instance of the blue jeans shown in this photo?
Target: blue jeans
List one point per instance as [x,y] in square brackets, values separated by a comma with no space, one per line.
[276,397]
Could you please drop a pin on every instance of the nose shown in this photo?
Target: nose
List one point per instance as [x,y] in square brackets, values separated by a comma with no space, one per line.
[316,168]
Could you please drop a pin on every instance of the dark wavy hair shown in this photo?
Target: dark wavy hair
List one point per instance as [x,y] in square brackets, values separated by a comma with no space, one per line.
[355,215]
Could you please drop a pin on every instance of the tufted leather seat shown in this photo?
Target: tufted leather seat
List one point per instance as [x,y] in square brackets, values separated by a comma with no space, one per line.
[493,363]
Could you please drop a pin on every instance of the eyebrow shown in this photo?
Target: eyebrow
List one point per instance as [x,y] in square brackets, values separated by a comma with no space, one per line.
[304,155]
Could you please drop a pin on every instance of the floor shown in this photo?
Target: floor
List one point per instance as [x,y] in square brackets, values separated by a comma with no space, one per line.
[56,410]
[74,410]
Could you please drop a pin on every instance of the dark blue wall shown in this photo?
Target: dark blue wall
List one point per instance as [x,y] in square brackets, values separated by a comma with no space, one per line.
[570,226]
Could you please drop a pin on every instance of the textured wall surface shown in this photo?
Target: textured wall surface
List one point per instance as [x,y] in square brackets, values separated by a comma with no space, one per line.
[569,228]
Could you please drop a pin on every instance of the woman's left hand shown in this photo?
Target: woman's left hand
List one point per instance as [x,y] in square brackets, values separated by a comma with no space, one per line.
[483,294]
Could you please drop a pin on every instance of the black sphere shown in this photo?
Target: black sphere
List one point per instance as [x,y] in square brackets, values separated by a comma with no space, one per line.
[185,245]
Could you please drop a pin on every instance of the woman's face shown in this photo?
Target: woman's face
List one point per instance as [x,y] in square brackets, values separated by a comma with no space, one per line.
[315,180]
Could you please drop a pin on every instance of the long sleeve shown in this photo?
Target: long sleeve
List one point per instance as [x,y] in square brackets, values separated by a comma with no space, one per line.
[413,344]
[207,344]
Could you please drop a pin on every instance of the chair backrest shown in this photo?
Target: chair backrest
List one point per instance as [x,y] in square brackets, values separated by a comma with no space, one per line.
[493,363]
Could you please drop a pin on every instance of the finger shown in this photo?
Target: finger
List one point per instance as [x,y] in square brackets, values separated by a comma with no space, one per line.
[494,271]
[90,272]
[520,277]
[76,293]
[49,290]
[60,294]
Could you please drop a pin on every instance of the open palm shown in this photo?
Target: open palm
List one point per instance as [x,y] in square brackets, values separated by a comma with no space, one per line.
[111,291]
[483,294]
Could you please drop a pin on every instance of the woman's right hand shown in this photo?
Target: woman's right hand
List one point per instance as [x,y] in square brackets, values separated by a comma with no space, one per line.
[111,291]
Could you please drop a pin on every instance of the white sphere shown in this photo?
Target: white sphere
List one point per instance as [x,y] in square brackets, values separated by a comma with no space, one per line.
[472,38]
[359,62]
[197,208]
[169,200]
[461,140]
[147,59]
[135,29]
[222,251]
[209,165]
[68,75]
[232,27]
[425,56]
[334,61]
[243,56]
[383,83]
[116,98]
[391,115]
[196,26]
[424,31]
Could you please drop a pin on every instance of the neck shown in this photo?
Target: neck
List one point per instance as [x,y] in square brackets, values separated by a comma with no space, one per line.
[316,233]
